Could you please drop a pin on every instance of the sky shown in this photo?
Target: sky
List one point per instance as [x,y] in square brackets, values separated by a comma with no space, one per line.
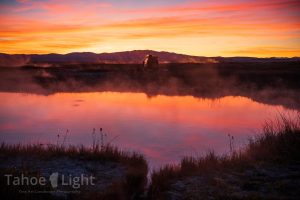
[261,28]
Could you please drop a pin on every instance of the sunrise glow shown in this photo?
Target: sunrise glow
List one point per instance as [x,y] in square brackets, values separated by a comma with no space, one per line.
[196,27]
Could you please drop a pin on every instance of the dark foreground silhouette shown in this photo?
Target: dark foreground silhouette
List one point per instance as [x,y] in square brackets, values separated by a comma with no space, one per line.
[267,168]
[103,173]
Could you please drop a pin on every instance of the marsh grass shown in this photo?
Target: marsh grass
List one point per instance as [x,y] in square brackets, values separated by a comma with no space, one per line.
[131,186]
[279,143]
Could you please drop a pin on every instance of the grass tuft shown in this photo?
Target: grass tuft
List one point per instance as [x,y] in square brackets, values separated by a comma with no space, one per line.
[278,143]
[130,187]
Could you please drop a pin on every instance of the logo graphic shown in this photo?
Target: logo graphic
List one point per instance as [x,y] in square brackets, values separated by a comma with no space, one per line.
[54,179]
[65,180]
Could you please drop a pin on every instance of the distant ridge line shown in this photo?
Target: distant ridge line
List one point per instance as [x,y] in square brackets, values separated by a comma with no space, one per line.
[125,57]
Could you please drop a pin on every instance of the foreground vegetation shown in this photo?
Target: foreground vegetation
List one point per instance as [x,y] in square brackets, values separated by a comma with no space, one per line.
[276,149]
[130,186]
[267,168]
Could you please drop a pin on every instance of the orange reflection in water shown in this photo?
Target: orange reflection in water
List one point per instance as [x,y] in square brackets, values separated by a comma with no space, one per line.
[164,128]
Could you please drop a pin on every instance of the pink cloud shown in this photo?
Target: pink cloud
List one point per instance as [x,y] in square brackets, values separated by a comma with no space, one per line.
[35,20]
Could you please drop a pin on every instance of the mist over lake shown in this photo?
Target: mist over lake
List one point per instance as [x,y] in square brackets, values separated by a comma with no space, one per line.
[178,110]
[149,100]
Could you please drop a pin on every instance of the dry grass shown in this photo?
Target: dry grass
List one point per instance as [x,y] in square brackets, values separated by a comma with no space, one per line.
[108,152]
[279,143]
[130,187]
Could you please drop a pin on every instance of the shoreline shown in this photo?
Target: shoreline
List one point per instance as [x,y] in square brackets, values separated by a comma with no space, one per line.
[267,168]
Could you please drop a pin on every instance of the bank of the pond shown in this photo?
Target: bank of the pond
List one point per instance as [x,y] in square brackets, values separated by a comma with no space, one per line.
[267,168]
[71,172]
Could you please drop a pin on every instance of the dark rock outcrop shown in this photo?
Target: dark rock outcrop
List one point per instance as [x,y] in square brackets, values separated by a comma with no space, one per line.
[150,61]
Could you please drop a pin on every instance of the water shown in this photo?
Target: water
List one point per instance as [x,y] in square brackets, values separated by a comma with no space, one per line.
[163,128]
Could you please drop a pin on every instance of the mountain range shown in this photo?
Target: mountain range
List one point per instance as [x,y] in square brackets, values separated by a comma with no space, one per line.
[125,57]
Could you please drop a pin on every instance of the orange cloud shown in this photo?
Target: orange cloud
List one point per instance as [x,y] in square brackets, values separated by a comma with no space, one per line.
[265,51]
[65,26]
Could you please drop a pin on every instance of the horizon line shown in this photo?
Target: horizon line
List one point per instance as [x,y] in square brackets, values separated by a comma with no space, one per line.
[158,51]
